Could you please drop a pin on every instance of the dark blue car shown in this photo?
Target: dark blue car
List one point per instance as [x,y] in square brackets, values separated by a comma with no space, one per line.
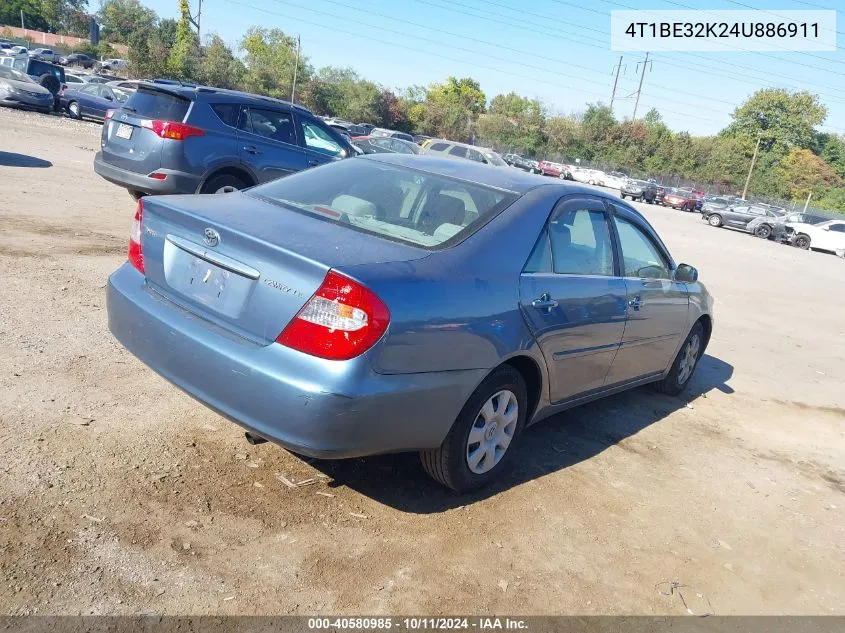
[92,100]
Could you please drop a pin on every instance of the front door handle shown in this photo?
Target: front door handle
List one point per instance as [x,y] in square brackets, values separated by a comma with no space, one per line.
[313,162]
[252,149]
[545,302]
[636,303]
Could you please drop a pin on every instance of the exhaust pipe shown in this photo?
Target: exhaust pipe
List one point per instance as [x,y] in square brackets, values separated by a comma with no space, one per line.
[254,439]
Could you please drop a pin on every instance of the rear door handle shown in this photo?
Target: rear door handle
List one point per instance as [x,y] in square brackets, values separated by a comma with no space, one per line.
[545,302]
[252,149]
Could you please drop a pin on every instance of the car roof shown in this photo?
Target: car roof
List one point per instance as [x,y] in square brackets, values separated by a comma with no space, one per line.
[189,90]
[514,180]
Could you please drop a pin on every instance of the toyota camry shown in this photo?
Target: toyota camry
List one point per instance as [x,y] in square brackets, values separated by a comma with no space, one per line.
[395,303]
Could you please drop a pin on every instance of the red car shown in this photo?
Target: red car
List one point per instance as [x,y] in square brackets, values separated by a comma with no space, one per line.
[677,199]
[548,168]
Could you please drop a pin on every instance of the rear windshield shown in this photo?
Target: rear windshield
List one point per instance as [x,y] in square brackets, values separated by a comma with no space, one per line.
[154,104]
[393,202]
[38,68]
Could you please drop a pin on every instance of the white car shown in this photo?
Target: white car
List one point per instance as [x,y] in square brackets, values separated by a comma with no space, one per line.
[114,64]
[615,179]
[589,176]
[827,236]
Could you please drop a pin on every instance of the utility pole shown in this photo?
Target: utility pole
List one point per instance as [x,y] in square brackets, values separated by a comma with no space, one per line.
[295,68]
[751,168]
[196,21]
[615,81]
[639,89]
[22,26]
[806,204]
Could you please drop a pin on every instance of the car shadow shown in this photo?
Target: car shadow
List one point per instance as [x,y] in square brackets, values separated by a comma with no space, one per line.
[13,159]
[556,443]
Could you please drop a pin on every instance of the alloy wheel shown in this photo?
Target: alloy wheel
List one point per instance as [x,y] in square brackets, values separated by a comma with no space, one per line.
[689,358]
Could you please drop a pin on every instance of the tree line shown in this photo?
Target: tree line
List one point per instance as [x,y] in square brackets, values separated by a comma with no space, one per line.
[794,159]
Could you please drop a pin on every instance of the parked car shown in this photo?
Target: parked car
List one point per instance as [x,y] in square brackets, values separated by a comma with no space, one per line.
[661,191]
[5,48]
[639,190]
[92,101]
[615,179]
[419,139]
[825,236]
[549,168]
[78,59]
[378,131]
[525,164]
[738,216]
[775,228]
[589,176]
[45,54]
[185,139]
[47,75]
[385,145]
[451,149]
[679,199]
[113,64]
[130,85]
[18,50]
[327,289]
[19,90]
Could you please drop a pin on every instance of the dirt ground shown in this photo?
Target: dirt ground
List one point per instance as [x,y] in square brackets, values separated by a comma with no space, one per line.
[121,495]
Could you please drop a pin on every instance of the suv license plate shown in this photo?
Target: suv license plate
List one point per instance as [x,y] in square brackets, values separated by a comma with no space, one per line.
[124,131]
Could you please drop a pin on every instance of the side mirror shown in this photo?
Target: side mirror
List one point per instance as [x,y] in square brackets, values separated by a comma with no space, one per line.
[826,228]
[686,273]
[344,153]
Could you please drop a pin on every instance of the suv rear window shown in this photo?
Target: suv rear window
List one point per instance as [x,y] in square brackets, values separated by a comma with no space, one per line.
[155,104]
[393,202]
[439,147]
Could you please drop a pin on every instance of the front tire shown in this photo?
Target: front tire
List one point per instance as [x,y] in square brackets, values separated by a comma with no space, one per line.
[802,242]
[73,110]
[764,231]
[685,363]
[715,220]
[478,446]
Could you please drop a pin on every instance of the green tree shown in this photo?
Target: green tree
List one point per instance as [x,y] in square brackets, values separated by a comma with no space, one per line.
[270,61]
[513,123]
[120,20]
[218,66]
[33,14]
[833,199]
[803,173]
[832,151]
[450,108]
[182,60]
[785,119]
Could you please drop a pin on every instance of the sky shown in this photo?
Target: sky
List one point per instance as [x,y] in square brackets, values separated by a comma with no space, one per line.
[557,51]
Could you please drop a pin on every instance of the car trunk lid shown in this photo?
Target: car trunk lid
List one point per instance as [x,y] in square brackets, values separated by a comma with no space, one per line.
[130,144]
[246,264]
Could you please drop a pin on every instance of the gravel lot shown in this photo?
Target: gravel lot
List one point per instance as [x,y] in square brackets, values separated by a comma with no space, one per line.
[119,494]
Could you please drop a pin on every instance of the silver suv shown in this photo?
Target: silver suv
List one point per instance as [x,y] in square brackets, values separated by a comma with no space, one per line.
[462,150]
[170,138]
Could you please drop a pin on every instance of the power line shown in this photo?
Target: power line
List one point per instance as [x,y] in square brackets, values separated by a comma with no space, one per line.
[539,29]
[404,46]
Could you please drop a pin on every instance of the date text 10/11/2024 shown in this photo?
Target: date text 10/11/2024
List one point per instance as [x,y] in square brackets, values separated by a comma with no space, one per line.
[417,623]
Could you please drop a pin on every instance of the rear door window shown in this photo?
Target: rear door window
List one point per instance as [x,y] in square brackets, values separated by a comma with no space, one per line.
[155,104]
[319,140]
[272,124]
[227,112]
[459,151]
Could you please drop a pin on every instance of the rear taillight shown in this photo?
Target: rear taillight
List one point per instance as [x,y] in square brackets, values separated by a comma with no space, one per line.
[172,129]
[110,113]
[341,321]
[136,253]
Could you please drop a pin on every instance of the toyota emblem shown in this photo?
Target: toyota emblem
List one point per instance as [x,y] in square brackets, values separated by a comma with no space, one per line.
[211,237]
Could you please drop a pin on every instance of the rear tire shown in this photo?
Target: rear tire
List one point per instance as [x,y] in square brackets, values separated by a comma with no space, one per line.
[450,462]
[685,363]
[802,241]
[715,220]
[224,183]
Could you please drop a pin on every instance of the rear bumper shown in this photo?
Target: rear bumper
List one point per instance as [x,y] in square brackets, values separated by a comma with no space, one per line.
[176,181]
[326,409]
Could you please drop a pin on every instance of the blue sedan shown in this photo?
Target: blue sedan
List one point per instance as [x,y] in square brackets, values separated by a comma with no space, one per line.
[92,100]
[406,303]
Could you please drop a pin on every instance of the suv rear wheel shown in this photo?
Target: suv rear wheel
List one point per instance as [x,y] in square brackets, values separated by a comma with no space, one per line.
[224,183]
[764,231]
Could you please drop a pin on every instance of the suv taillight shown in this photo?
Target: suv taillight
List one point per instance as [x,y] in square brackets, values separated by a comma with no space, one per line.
[342,320]
[172,129]
[109,113]
[136,253]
